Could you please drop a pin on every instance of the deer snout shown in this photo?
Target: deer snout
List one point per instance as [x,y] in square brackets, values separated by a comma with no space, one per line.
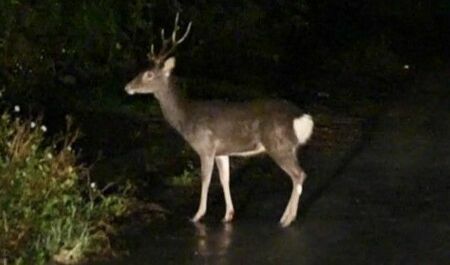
[129,89]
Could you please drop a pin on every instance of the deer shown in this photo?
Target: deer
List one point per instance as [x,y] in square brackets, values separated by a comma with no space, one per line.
[217,130]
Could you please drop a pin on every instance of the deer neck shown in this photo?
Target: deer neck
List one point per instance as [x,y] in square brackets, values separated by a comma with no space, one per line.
[173,105]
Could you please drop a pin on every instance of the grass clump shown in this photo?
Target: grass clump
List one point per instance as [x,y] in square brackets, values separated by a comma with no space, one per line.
[185,179]
[49,209]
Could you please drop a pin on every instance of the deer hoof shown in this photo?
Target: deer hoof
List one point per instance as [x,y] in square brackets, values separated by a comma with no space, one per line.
[228,217]
[196,218]
[285,222]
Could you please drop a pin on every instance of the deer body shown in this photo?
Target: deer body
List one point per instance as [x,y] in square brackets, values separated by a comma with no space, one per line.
[230,128]
[217,130]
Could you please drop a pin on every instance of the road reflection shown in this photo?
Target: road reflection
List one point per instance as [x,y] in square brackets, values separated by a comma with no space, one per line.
[213,244]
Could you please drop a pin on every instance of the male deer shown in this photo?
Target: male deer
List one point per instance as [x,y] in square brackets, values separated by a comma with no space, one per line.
[217,130]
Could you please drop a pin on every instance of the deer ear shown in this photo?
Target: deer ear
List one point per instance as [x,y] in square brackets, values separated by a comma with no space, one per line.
[169,64]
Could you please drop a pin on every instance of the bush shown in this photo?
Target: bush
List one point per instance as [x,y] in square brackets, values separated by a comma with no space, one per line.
[49,209]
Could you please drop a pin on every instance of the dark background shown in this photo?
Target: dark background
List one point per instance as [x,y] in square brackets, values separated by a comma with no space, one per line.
[330,57]
[79,54]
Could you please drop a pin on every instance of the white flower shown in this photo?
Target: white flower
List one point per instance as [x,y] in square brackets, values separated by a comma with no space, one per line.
[69,148]
[406,66]
[43,128]
[32,124]
[16,108]
[93,185]
[49,156]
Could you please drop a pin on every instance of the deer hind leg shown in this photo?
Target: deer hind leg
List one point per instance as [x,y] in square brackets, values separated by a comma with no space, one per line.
[223,164]
[288,162]
[207,165]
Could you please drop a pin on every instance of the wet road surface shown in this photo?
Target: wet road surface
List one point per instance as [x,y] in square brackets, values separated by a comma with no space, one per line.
[389,204]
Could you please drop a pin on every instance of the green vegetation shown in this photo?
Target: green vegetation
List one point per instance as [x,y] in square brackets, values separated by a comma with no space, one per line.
[61,57]
[187,178]
[49,207]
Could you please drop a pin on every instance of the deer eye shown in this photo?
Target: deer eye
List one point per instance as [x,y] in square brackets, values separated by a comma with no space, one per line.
[148,76]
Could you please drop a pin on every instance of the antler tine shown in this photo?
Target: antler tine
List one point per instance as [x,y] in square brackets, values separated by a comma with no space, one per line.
[163,35]
[164,42]
[152,49]
[164,51]
[188,29]
[151,55]
[175,27]
[174,40]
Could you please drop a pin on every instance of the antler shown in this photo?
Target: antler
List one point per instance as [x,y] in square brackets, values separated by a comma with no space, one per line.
[159,57]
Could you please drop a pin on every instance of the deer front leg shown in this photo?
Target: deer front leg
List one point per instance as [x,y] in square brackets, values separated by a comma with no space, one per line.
[207,165]
[223,164]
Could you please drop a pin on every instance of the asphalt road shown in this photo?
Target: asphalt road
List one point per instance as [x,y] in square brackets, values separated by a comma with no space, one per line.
[387,203]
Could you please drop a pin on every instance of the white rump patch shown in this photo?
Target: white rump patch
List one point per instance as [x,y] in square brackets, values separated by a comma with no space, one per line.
[303,128]
[299,189]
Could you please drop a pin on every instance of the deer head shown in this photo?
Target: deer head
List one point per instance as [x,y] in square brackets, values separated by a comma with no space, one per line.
[155,78]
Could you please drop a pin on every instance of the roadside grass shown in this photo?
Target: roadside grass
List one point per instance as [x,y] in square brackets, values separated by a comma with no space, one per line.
[49,208]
